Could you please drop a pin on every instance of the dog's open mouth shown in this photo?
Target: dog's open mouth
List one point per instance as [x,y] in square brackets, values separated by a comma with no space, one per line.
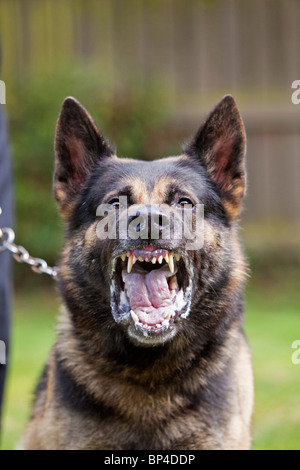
[151,291]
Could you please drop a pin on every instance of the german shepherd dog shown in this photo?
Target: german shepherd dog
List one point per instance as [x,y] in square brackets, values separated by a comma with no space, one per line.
[150,352]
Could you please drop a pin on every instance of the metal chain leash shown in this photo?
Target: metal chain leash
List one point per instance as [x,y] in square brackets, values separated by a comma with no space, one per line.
[21,255]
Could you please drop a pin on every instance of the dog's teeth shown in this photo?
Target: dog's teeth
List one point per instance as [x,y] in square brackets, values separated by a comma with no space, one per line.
[177,256]
[140,259]
[165,322]
[134,260]
[173,293]
[166,257]
[168,316]
[129,264]
[153,261]
[160,259]
[147,260]
[171,264]
[135,318]
[173,283]
[123,257]
[158,325]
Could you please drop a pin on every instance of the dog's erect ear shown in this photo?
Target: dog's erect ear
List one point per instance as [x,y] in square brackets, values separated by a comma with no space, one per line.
[220,145]
[79,146]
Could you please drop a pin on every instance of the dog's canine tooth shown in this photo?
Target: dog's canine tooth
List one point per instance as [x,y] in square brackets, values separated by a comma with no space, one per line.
[135,318]
[134,259]
[168,316]
[173,283]
[177,256]
[171,264]
[160,259]
[153,261]
[129,264]
[173,293]
[123,257]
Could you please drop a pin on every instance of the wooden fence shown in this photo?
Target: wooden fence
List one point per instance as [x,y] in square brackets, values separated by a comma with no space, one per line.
[202,50]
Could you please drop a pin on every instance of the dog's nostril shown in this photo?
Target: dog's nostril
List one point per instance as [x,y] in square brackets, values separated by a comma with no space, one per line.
[137,221]
[134,216]
[163,221]
[148,220]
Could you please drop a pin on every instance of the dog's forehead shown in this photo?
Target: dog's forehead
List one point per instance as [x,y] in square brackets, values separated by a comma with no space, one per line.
[151,181]
[152,178]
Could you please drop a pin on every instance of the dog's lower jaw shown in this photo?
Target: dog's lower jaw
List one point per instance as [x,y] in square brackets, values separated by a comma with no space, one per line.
[144,339]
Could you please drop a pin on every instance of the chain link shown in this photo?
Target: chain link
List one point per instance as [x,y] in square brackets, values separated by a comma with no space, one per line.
[21,255]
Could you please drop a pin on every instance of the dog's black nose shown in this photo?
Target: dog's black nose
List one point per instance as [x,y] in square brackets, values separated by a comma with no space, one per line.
[159,218]
[148,221]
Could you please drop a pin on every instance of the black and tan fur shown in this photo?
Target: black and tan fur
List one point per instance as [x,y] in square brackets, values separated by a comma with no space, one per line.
[100,389]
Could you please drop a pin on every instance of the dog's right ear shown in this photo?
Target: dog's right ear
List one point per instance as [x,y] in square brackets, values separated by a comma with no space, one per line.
[79,146]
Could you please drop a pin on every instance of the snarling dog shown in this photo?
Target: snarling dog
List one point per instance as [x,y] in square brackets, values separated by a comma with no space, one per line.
[150,352]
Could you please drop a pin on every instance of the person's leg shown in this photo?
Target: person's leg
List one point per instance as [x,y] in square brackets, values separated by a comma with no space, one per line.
[5,221]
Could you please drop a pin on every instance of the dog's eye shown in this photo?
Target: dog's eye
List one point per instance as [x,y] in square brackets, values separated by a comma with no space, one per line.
[115,203]
[183,203]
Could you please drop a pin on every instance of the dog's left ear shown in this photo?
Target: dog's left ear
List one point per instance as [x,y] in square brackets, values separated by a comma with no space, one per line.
[220,145]
[79,146]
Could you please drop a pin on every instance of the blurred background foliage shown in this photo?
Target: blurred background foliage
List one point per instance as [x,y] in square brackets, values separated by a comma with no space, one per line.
[148,71]
[128,117]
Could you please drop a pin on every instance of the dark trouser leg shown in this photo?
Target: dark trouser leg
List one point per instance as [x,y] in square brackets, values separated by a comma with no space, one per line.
[5,221]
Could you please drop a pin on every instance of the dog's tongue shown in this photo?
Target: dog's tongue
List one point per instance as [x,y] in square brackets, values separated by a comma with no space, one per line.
[149,294]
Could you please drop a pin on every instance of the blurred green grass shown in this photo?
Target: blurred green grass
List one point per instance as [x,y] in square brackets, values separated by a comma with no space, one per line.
[272,324]
[33,333]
